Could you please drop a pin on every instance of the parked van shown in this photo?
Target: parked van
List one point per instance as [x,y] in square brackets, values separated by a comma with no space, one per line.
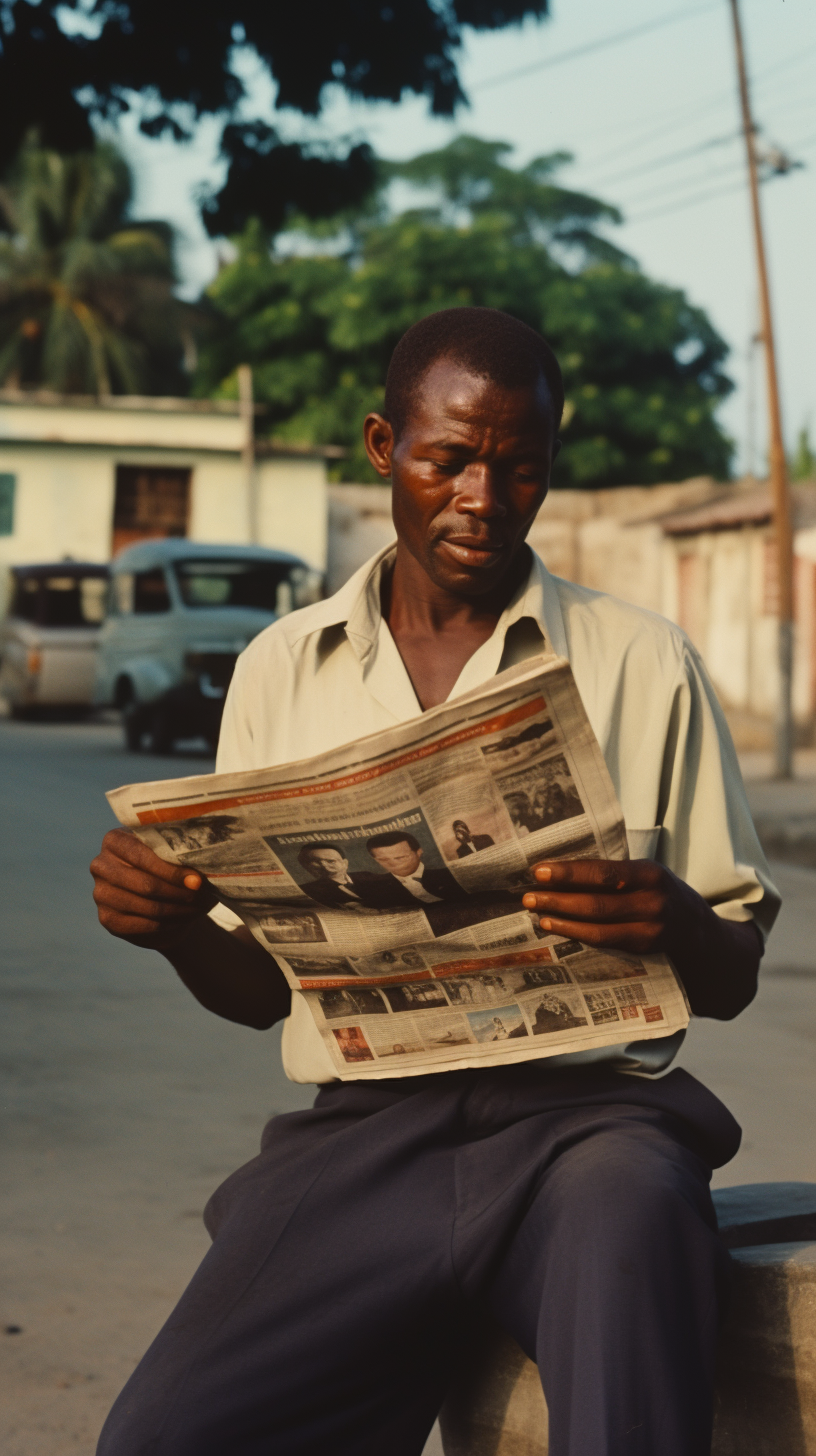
[179,613]
[49,638]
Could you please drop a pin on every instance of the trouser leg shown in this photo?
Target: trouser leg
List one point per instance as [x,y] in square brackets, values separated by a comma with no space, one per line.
[325,1318]
[613,1282]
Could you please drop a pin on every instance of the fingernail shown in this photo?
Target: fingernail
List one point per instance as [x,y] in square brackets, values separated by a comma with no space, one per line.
[529,901]
[543,872]
[192,882]
[545,924]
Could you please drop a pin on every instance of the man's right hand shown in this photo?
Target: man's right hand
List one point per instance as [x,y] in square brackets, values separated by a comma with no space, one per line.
[141,898]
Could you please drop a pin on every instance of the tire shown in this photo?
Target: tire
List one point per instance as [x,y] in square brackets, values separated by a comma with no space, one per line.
[161,731]
[133,725]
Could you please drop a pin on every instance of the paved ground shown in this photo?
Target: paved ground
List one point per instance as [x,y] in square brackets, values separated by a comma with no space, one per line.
[124,1103]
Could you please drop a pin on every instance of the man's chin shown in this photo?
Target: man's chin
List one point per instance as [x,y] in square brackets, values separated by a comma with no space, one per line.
[469,577]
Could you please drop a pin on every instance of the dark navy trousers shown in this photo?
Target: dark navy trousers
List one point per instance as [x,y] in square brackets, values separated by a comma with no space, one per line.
[355,1257]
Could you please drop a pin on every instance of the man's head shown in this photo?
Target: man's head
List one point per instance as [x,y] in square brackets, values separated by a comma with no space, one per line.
[324,862]
[461,831]
[399,854]
[473,401]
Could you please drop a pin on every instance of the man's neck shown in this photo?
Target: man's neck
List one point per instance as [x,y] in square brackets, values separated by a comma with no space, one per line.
[437,631]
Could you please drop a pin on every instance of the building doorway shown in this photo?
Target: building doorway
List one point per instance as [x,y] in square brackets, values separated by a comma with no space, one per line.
[150,501]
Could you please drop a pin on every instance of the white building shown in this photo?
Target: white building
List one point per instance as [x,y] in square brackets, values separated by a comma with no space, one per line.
[84,477]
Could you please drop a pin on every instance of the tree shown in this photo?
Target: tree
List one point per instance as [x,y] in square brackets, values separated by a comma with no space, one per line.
[642,366]
[803,464]
[86,295]
[66,63]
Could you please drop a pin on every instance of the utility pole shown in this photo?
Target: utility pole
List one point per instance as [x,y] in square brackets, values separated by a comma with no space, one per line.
[247,412]
[780,493]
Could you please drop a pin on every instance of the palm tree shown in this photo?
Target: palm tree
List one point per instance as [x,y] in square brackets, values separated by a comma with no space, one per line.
[86,294]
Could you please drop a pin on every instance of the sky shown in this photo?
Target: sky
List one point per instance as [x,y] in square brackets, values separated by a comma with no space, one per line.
[643,94]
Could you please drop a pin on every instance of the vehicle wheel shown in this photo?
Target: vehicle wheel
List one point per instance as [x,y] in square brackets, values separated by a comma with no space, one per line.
[133,723]
[161,731]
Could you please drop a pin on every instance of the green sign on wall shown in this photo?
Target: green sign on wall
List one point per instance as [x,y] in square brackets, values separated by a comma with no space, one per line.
[7,484]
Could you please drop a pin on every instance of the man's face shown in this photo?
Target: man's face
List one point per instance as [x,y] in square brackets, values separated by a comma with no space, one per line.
[327,864]
[398,859]
[469,472]
[461,831]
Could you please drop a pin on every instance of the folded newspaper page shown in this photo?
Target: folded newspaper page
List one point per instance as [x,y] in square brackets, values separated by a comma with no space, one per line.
[386,877]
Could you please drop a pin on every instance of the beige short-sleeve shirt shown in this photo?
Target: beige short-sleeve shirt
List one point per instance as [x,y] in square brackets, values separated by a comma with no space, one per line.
[331,673]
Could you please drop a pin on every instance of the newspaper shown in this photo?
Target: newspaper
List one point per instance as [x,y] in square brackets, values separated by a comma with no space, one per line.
[386,879]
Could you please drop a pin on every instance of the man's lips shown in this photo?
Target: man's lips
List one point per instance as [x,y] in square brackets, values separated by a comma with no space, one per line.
[470,551]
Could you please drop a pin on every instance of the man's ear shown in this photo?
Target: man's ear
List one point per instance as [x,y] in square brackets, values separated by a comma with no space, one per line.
[378,438]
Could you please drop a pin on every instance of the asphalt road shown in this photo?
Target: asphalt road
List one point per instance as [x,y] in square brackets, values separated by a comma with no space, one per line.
[124,1103]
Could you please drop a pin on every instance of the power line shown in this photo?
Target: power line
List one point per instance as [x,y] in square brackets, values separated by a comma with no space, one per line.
[687,202]
[716,192]
[668,186]
[603,42]
[669,159]
[677,118]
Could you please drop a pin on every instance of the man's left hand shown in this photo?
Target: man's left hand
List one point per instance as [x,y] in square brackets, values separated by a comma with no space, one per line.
[629,905]
[640,906]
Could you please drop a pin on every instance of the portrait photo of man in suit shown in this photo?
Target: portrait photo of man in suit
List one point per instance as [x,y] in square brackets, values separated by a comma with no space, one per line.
[469,843]
[407,879]
[332,882]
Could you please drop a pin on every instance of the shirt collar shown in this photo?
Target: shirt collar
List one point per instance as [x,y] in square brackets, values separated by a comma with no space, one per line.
[357,606]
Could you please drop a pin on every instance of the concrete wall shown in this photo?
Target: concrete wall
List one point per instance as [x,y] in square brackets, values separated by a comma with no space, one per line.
[292,505]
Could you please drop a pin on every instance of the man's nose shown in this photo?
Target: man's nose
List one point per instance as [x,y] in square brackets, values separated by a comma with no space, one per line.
[479,492]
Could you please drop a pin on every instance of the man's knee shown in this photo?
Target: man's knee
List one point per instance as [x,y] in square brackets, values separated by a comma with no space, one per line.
[635,1179]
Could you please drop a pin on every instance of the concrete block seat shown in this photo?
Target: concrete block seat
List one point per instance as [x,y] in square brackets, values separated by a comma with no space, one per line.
[766,1382]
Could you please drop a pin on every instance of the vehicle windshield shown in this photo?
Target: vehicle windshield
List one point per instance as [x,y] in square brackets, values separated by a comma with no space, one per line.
[269,586]
[61,601]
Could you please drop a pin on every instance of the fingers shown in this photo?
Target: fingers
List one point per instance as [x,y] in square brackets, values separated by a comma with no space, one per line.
[128,864]
[641,938]
[125,902]
[642,905]
[141,897]
[121,845]
[605,874]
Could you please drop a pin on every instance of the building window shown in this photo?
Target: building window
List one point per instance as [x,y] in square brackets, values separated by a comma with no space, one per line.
[150,501]
[7,489]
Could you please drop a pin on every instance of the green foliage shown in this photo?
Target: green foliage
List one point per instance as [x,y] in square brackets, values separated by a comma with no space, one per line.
[642,367]
[803,464]
[86,294]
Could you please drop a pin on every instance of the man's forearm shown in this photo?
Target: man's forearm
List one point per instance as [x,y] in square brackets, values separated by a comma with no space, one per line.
[719,966]
[230,974]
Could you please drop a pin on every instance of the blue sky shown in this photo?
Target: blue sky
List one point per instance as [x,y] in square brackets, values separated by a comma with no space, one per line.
[652,121]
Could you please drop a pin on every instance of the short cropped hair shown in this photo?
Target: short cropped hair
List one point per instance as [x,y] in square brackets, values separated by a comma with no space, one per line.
[392,836]
[487,341]
[305,854]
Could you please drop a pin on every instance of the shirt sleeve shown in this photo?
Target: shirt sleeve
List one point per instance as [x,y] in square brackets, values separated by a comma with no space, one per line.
[708,837]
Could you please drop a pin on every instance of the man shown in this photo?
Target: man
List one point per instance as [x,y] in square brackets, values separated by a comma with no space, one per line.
[334,884]
[352,1259]
[408,881]
[469,843]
